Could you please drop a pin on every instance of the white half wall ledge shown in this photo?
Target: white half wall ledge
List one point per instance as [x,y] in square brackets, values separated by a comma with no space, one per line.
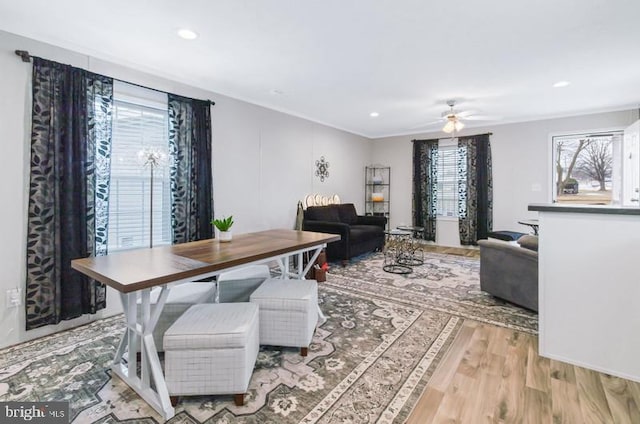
[589,291]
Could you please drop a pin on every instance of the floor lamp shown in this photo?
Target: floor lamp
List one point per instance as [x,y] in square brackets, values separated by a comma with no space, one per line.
[153,158]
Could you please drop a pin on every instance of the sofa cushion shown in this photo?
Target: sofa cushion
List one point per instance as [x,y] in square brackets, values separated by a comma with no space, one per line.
[347,212]
[322,213]
[529,242]
[360,233]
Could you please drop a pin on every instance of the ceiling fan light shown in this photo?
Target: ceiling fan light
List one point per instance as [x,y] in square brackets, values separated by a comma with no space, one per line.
[458,125]
[449,127]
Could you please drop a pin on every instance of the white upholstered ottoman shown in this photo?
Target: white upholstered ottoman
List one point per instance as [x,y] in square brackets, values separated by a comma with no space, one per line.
[212,349]
[237,285]
[288,312]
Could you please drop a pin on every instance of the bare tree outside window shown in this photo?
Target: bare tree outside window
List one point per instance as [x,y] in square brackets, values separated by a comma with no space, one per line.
[566,149]
[596,162]
[583,166]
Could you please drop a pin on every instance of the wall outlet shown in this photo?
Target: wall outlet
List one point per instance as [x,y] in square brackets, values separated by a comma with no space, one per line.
[14,298]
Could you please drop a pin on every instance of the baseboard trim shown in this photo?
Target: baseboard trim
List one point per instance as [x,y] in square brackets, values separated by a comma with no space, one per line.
[590,367]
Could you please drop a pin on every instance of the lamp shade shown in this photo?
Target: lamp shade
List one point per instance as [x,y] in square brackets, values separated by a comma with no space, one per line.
[452,125]
[449,126]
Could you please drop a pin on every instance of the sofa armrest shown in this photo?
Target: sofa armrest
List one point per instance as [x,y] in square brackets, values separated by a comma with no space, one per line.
[328,227]
[509,272]
[380,221]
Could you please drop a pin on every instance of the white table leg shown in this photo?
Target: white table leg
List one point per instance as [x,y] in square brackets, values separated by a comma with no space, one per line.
[146,314]
[151,368]
[301,275]
[312,261]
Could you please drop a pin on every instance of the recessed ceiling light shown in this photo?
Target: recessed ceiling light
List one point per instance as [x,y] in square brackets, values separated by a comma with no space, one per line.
[187,34]
[374,114]
[561,84]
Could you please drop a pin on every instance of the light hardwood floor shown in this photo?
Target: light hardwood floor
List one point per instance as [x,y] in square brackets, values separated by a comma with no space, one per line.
[495,375]
[460,251]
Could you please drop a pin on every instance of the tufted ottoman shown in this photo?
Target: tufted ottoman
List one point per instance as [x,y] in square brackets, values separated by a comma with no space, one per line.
[288,312]
[212,349]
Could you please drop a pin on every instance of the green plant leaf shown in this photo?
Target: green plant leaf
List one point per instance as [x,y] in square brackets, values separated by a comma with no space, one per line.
[223,224]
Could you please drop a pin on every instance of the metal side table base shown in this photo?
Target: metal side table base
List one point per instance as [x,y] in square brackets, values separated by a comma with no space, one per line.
[397,247]
[397,269]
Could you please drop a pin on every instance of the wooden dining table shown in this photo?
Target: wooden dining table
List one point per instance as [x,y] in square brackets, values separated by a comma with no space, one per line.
[134,273]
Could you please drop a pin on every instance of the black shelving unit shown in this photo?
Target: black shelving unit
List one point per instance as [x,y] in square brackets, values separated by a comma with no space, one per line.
[377,191]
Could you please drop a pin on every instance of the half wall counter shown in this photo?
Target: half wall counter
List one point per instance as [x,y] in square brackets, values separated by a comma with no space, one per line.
[589,286]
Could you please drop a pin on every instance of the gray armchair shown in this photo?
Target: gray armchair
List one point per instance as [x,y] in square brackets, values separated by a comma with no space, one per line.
[510,272]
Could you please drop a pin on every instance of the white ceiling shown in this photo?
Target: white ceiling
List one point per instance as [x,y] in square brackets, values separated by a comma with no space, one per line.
[335,61]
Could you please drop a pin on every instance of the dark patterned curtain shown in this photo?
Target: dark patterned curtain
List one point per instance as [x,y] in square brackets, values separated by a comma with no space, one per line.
[68,191]
[425,186]
[191,185]
[475,189]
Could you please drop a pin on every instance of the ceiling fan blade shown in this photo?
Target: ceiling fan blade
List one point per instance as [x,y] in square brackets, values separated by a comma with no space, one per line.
[482,118]
[427,124]
[465,113]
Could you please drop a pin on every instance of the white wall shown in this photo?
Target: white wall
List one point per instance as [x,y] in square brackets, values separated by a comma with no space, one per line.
[521,167]
[263,163]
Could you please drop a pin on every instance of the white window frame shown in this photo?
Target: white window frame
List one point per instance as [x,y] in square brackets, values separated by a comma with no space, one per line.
[151,100]
[551,197]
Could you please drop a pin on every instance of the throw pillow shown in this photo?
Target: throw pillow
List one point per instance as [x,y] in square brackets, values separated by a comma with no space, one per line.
[529,242]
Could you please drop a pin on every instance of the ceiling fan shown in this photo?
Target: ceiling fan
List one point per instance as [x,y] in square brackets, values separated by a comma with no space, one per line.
[453,119]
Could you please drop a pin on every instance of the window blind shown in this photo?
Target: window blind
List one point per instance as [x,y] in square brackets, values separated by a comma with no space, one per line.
[137,127]
[447,181]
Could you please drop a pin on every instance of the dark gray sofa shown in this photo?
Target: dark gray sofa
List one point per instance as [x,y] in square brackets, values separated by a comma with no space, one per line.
[510,271]
[359,233]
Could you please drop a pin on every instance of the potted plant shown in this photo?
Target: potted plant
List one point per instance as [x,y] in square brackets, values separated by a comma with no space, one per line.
[224,228]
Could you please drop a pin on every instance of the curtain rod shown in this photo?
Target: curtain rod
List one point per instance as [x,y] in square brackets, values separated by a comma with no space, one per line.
[26,57]
[475,135]
[463,136]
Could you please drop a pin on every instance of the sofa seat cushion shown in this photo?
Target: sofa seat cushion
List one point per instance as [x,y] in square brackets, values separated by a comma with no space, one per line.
[360,233]
[212,326]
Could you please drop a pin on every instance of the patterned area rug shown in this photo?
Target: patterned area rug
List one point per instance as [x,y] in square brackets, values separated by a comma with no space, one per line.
[447,283]
[384,337]
[369,361]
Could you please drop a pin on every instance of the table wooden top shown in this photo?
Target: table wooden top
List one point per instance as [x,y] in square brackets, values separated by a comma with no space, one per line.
[139,269]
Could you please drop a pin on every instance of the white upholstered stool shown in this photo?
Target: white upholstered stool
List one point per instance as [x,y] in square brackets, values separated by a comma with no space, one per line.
[211,350]
[288,312]
[237,285]
[181,297]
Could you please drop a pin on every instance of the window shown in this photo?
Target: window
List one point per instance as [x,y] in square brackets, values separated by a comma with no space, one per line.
[449,158]
[587,168]
[140,121]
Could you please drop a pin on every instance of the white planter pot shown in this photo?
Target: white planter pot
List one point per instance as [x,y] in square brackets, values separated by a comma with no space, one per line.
[224,236]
